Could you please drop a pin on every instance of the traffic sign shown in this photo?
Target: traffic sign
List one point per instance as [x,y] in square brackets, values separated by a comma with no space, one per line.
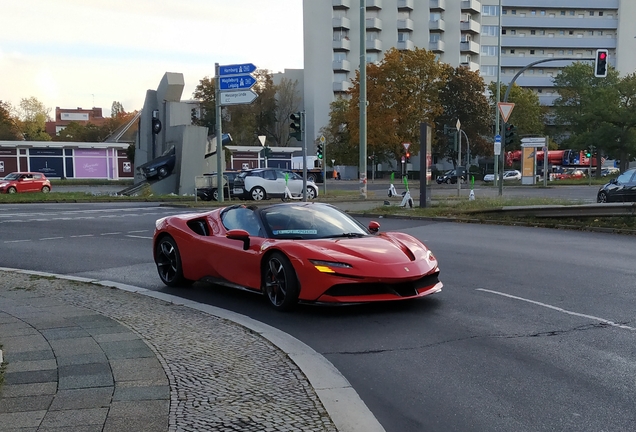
[236,69]
[238,82]
[497,138]
[237,97]
[406,146]
[505,108]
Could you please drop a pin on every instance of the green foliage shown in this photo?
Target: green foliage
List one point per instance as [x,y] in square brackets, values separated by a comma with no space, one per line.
[33,116]
[9,129]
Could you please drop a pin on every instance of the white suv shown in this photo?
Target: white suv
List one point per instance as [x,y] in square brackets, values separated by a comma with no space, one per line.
[264,183]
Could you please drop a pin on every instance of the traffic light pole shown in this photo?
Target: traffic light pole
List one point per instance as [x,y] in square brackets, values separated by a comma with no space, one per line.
[219,133]
[505,100]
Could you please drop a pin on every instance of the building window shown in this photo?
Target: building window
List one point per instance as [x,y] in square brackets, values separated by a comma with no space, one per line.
[542,32]
[490,10]
[513,32]
[560,52]
[570,52]
[504,31]
[372,57]
[504,12]
[533,32]
[591,13]
[489,30]
[540,52]
[600,13]
[533,12]
[543,12]
[531,52]
[404,36]
[590,32]
[600,32]
[540,91]
[436,16]
[512,51]
[489,50]
[562,12]
[488,71]
[434,37]
[571,13]
[571,32]
[339,56]
[513,12]
[561,32]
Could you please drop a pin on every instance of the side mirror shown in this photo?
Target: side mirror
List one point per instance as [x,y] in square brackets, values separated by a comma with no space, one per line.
[374,227]
[239,234]
[613,181]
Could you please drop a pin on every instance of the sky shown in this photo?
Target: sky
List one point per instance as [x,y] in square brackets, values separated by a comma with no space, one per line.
[89,53]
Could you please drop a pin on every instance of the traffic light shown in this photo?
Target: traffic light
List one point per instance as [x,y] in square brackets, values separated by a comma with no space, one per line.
[296,126]
[588,153]
[408,157]
[510,134]
[319,150]
[600,64]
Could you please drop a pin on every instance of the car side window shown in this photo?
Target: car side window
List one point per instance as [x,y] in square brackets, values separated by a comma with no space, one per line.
[242,218]
[269,175]
[625,177]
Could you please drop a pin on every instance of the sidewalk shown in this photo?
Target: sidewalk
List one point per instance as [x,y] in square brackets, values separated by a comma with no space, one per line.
[86,357]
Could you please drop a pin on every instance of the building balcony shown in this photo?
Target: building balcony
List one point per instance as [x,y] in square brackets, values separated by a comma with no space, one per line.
[341,45]
[341,66]
[469,47]
[471,6]
[558,23]
[562,42]
[374,24]
[437,46]
[341,86]
[541,81]
[341,23]
[470,65]
[405,5]
[547,100]
[470,26]
[437,5]
[439,25]
[341,4]
[406,45]
[374,4]
[405,25]
[548,4]
[374,45]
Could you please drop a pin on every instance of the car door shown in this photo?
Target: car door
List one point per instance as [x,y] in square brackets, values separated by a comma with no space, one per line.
[295,183]
[38,182]
[25,183]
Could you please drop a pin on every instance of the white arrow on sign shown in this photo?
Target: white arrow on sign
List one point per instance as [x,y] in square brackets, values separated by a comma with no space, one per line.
[505,108]
[238,97]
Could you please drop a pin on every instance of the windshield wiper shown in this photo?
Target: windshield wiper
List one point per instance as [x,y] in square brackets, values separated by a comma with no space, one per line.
[347,235]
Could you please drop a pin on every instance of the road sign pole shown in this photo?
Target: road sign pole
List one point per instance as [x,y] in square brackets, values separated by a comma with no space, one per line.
[219,139]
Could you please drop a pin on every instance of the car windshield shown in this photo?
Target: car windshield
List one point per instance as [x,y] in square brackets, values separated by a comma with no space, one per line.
[12,176]
[310,221]
[625,177]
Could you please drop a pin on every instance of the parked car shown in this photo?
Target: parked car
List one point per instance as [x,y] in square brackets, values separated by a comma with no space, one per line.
[159,167]
[294,252]
[449,177]
[620,189]
[18,182]
[264,183]
[570,173]
[609,172]
[208,194]
[507,175]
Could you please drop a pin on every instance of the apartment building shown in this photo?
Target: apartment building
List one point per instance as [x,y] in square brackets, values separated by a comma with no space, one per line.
[460,32]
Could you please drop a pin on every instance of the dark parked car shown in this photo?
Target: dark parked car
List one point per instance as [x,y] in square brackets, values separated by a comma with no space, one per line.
[159,167]
[449,177]
[620,189]
[208,194]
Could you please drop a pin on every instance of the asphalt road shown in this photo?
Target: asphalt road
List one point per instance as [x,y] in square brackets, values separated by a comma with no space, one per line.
[534,329]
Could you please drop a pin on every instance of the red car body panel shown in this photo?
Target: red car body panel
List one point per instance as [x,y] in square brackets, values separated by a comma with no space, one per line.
[385,258]
[29,182]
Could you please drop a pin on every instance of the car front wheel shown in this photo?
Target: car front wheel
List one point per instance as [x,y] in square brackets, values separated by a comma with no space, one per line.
[602,197]
[311,193]
[162,172]
[168,261]
[46,189]
[280,285]
[11,190]
[258,193]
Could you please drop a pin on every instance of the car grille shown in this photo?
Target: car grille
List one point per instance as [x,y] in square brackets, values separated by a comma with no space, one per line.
[404,289]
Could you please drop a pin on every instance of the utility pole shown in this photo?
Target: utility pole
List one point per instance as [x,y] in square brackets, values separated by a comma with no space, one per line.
[458,125]
[362,165]
[497,129]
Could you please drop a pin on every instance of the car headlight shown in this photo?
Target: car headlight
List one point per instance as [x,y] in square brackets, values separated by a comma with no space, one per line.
[326,266]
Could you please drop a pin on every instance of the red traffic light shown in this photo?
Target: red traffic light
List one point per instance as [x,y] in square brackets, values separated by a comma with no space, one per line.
[602,56]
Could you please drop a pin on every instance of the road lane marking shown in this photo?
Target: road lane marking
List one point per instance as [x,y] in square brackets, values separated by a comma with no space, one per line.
[16,241]
[142,237]
[82,235]
[558,309]
[111,233]
[137,231]
[51,238]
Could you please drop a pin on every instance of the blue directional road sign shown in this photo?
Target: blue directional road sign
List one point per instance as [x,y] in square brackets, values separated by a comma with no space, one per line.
[236,69]
[498,138]
[237,82]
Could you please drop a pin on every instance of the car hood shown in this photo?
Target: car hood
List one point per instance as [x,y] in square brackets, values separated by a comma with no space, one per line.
[387,249]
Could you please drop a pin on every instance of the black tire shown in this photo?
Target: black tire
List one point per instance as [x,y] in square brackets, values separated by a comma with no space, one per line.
[46,189]
[448,181]
[168,261]
[311,193]
[602,197]
[162,172]
[215,194]
[12,190]
[280,285]
[258,193]
[311,177]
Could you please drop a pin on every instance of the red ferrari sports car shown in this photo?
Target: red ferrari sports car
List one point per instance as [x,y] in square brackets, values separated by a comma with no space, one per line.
[294,252]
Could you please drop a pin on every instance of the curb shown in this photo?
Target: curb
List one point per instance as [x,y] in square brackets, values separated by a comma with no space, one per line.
[345,407]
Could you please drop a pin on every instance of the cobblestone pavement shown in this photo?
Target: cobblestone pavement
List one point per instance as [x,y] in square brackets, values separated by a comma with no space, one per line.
[222,376]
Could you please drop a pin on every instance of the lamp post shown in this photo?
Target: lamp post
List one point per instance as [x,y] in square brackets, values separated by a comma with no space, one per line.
[497,128]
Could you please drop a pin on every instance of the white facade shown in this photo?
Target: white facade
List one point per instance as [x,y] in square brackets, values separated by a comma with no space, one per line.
[460,32]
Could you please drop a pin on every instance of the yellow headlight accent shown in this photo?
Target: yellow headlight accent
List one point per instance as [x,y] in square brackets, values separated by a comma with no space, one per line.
[324,269]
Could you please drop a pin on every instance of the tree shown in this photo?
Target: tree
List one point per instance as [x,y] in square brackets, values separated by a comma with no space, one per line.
[288,100]
[117,110]
[402,91]
[337,136]
[462,98]
[9,129]
[205,94]
[33,116]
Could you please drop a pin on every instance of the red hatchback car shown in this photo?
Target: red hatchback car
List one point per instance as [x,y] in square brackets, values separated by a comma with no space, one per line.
[25,182]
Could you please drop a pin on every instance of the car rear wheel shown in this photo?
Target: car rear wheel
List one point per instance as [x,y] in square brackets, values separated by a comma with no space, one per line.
[448,181]
[602,197]
[11,190]
[162,172]
[280,284]
[168,262]
[258,193]
[215,194]
[311,193]
[46,189]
